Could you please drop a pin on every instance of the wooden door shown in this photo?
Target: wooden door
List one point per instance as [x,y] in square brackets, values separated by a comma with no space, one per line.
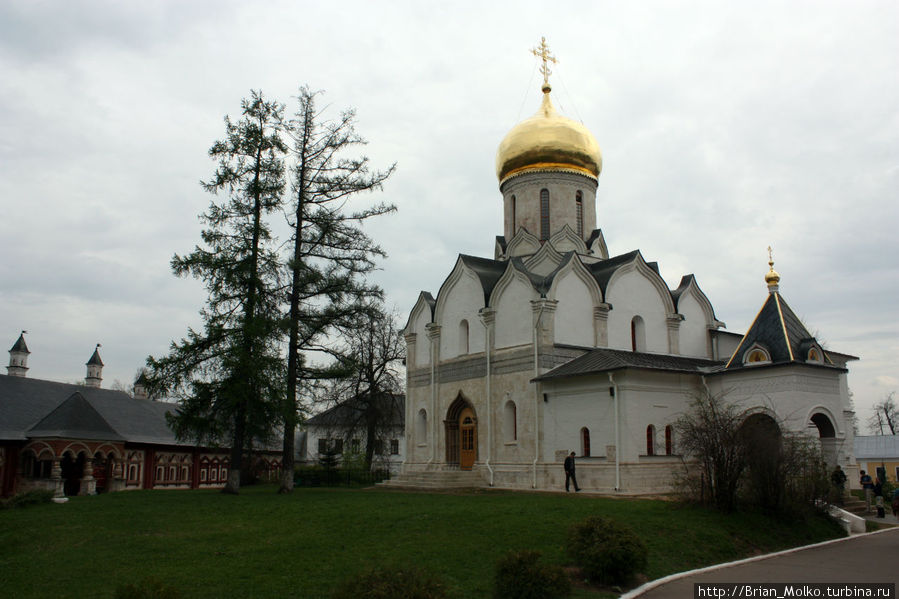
[468,436]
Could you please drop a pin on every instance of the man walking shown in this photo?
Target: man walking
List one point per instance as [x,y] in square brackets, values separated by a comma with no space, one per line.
[569,473]
[868,485]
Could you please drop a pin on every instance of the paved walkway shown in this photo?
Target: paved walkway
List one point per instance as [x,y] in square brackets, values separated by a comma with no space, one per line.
[869,558]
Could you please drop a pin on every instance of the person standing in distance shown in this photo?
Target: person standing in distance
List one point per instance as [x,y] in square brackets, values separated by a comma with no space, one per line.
[569,473]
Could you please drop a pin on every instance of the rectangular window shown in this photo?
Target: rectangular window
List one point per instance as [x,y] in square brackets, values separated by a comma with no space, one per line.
[544,214]
[394,447]
[338,445]
[379,446]
[322,445]
[355,445]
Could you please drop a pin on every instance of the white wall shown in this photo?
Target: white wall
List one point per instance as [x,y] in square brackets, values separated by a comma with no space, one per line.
[514,317]
[694,331]
[631,294]
[574,313]
[460,300]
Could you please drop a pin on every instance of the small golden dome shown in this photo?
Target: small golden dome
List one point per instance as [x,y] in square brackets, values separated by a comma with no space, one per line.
[548,140]
[772,278]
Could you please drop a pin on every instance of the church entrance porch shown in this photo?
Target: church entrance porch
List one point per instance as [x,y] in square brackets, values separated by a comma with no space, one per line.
[461,428]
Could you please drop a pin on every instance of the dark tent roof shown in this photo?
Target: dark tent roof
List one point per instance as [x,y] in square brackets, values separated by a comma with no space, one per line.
[780,332]
[347,413]
[19,345]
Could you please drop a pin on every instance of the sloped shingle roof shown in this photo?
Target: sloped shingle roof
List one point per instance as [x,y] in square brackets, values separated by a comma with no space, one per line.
[604,359]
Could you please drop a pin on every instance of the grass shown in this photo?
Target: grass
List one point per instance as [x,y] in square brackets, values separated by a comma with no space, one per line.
[260,544]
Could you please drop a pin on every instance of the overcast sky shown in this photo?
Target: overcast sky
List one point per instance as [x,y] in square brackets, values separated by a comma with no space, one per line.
[724,128]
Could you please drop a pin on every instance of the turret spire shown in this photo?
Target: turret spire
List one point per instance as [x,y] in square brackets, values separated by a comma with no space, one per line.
[94,369]
[18,357]
[772,278]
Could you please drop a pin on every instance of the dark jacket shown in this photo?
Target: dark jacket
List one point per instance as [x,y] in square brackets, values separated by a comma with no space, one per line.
[569,464]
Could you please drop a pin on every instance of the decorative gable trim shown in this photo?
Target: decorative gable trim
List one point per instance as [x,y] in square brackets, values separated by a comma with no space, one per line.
[639,265]
[546,260]
[566,240]
[522,244]
[575,266]
[460,270]
[512,273]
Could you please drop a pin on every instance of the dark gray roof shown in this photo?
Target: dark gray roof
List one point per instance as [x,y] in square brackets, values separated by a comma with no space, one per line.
[877,447]
[604,359]
[488,271]
[347,413]
[26,404]
[19,345]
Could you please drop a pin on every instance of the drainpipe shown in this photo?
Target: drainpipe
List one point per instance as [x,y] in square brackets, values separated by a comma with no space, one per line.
[433,420]
[536,400]
[617,434]
[489,407]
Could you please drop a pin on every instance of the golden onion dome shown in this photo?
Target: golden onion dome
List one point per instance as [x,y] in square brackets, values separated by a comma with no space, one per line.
[772,278]
[550,141]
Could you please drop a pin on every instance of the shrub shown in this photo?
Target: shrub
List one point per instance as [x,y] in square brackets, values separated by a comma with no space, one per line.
[34,497]
[391,583]
[148,588]
[519,575]
[607,552]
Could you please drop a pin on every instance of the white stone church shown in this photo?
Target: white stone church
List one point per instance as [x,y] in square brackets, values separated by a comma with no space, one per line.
[552,345]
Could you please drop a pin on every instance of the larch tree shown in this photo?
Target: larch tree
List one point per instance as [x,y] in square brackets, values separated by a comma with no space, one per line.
[331,253]
[229,376]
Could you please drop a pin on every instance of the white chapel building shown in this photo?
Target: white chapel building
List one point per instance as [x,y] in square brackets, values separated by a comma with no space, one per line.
[552,345]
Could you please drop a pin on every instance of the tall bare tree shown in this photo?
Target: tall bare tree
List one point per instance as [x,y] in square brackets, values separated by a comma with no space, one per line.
[885,417]
[331,252]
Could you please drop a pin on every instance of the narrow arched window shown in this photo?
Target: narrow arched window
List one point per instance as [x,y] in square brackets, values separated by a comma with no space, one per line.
[579,207]
[463,337]
[638,334]
[422,426]
[585,442]
[544,214]
[669,440]
[650,440]
[510,422]
[514,215]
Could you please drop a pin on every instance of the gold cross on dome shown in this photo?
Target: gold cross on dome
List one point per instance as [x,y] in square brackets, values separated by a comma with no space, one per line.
[542,52]
[770,256]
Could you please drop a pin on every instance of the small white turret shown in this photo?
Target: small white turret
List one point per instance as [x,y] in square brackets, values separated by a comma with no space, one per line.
[140,386]
[18,357]
[94,369]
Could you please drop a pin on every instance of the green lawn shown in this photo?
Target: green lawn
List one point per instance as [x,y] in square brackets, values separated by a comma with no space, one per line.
[261,544]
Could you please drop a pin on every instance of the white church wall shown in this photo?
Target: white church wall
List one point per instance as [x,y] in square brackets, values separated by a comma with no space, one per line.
[514,318]
[422,344]
[632,294]
[460,301]
[574,313]
[694,329]
[572,407]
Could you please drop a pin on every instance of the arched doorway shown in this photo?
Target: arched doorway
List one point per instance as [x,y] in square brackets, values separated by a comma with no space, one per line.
[827,435]
[72,472]
[762,442]
[461,427]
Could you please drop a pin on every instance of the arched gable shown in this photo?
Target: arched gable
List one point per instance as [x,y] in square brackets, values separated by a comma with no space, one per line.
[522,244]
[511,300]
[544,261]
[460,298]
[699,319]
[566,240]
[577,293]
[635,289]
[422,314]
